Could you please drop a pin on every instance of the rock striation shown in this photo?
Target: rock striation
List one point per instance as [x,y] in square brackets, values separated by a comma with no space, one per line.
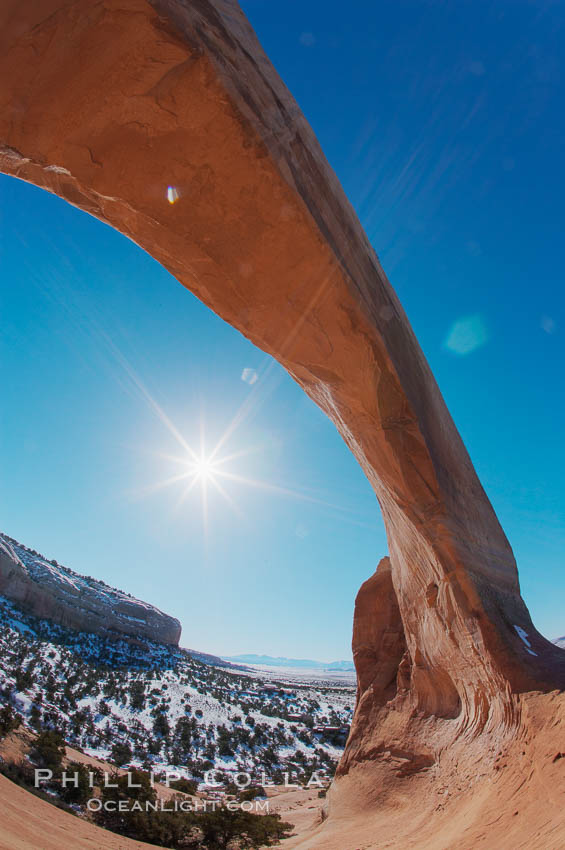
[166,120]
[48,590]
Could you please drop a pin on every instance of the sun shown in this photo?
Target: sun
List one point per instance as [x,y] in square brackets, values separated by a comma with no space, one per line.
[207,471]
[203,468]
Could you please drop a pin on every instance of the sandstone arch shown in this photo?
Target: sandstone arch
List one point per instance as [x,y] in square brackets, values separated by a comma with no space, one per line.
[107,104]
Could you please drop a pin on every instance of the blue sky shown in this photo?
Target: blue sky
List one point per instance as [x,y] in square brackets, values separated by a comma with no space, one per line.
[444,123]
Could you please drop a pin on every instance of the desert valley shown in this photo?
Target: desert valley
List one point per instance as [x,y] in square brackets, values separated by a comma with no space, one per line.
[120,699]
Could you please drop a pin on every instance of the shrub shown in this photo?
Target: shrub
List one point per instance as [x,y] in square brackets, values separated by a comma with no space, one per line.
[9,720]
[186,786]
[121,753]
[137,695]
[161,726]
[223,827]
[48,750]
[81,792]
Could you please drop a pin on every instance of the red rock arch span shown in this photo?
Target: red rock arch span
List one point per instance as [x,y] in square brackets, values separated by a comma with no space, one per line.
[107,104]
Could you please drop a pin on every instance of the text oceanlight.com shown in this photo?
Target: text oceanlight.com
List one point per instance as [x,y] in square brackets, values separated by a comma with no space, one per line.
[95,804]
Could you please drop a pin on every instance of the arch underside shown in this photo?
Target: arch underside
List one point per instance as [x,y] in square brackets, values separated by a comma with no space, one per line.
[107,104]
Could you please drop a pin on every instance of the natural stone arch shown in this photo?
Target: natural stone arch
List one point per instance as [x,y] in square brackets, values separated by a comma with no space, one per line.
[108,103]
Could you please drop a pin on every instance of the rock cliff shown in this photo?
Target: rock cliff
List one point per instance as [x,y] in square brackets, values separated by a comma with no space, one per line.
[48,590]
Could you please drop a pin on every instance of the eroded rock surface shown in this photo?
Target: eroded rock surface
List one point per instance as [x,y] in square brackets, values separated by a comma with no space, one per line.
[109,104]
[379,644]
[56,593]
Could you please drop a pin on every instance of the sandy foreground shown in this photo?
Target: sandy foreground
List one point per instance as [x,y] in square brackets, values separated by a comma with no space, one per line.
[474,819]
[28,823]
[520,805]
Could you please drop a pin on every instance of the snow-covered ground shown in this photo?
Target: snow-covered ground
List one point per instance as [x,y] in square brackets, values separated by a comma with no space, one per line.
[170,709]
[321,678]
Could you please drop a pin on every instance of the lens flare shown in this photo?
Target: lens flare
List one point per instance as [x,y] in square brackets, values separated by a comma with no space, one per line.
[173,194]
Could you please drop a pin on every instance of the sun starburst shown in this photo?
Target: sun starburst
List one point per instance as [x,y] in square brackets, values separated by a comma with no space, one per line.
[202,469]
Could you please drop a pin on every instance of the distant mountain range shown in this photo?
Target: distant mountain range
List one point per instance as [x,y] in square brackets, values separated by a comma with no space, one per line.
[306,663]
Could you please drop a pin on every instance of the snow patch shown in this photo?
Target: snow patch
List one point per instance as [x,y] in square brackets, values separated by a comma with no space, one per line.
[524,638]
[58,169]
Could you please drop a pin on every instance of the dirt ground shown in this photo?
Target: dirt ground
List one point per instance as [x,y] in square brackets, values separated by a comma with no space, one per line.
[28,823]
[301,808]
[518,805]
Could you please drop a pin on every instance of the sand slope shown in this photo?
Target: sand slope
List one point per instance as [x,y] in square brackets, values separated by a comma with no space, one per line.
[28,823]
[515,802]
